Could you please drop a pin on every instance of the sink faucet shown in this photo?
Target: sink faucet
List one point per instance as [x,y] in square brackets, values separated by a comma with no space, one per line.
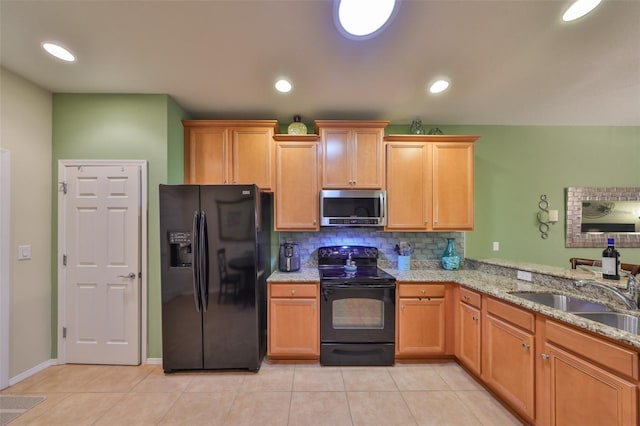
[629,298]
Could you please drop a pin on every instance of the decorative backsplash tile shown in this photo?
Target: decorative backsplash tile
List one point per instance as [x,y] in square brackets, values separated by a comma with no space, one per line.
[426,245]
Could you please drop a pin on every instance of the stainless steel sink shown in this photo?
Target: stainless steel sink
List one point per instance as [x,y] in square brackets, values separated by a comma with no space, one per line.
[618,320]
[562,302]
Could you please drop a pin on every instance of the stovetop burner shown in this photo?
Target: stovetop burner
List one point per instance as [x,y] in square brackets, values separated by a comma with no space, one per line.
[367,273]
[332,261]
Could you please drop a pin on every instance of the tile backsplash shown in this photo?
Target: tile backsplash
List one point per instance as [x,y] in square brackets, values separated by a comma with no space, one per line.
[426,245]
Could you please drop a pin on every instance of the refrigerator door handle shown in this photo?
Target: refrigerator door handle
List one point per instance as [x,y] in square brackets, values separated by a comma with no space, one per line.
[195,264]
[203,251]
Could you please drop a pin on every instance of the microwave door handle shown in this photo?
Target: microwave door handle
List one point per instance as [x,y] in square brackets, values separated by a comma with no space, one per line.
[382,204]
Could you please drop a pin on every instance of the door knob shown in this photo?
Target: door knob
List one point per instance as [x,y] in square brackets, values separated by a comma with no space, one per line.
[129,275]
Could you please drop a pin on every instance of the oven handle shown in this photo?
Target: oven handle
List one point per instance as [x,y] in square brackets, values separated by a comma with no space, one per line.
[357,287]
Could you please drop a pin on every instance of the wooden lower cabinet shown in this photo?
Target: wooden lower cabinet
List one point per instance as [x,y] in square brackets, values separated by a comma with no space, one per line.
[469,330]
[588,382]
[293,320]
[421,321]
[508,363]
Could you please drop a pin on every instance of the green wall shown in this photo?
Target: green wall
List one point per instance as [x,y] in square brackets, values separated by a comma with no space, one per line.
[514,165]
[132,127]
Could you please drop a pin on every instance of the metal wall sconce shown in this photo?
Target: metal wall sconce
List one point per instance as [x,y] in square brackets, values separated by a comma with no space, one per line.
[546,217]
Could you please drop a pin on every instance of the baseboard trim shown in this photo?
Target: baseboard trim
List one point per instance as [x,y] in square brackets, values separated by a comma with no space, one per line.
[30,372]
[154,361]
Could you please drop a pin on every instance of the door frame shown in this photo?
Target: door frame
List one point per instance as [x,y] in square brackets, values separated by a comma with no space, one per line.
[5,209]
[144,213]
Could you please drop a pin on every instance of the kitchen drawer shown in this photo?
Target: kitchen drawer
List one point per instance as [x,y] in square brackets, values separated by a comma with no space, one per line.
[609,355]
[293,290]
[421,290]
[470,297]
[516,316]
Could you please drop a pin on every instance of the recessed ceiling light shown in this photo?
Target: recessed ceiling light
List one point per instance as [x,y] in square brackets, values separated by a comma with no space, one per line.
[58,51]
[438,86]
[283,86]
[579,8]
[362,18]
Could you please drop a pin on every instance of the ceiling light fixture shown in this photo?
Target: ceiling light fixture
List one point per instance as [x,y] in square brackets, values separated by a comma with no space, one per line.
[58,51]
[283,86]
[579,8]
[438,86]
[361,19]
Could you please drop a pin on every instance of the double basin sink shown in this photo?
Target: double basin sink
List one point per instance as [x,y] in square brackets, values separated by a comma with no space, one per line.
[584,308]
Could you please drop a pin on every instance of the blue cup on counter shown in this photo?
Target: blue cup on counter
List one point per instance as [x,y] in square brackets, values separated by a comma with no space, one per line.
[404,263]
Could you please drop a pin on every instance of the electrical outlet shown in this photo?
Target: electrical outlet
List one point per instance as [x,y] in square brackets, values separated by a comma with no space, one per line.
[525,276]
[496,246]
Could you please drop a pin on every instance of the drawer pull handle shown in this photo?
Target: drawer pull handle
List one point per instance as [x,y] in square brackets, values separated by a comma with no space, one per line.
[475,318]
[526,345]
[465,297]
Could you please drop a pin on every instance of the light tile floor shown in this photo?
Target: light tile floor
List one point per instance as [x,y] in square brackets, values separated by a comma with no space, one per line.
[406,394]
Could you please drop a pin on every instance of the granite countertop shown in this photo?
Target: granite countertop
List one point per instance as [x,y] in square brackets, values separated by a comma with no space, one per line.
[547,279]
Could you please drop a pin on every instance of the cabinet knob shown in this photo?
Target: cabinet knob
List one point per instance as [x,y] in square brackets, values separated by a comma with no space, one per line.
[423,291]
[475,318]
[402,307]
[293,291]
[465,297]
[526,345]
[314,221]
[544,356]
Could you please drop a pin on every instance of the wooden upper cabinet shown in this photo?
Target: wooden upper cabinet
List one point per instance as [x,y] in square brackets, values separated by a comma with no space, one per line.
[229,152]
[352,154]
[408,177]
[453,185]
[296,193]
[430,182]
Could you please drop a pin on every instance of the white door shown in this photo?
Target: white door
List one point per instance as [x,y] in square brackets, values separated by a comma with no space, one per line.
[102,257]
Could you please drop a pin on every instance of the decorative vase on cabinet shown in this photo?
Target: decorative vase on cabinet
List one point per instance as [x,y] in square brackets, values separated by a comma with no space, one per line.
[297,127]
[450,258]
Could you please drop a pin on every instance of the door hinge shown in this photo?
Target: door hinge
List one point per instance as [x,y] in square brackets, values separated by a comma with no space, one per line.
[64,332]
[63,187]
[64,260]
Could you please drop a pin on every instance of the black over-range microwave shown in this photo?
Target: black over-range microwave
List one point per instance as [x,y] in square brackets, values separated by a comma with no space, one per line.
[353,207]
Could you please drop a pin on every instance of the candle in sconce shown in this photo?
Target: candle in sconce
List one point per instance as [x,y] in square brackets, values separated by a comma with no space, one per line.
[553,215]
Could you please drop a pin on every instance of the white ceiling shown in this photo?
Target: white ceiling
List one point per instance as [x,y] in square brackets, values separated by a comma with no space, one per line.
[510,62]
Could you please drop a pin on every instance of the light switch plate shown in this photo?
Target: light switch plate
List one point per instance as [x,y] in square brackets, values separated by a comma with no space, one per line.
[24,252]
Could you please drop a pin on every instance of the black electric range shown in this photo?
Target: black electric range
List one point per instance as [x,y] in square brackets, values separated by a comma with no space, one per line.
[332,261]
[357,307]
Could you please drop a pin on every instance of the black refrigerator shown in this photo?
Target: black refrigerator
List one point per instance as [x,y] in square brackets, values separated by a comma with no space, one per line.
[215,259]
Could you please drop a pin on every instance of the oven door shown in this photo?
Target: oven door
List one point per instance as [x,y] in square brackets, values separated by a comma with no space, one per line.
[357,313]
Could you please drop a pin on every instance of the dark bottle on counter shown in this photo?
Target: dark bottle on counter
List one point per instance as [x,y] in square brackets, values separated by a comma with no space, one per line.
[610,259]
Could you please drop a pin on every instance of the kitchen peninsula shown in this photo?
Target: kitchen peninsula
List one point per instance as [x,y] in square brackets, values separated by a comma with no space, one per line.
[547,365]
